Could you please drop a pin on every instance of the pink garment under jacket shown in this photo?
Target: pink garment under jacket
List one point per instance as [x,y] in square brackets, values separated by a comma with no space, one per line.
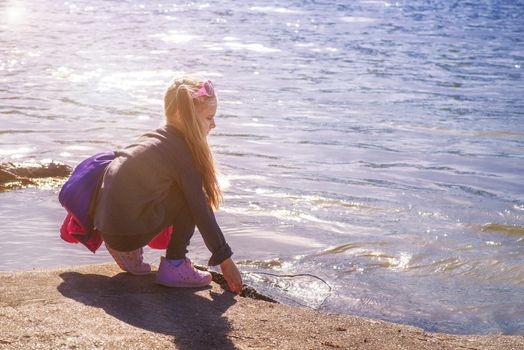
[72,228]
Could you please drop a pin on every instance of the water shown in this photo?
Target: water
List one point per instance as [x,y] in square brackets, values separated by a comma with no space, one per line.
[377,146]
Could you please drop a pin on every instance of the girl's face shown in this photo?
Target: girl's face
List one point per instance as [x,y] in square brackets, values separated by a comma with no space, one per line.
[206,116]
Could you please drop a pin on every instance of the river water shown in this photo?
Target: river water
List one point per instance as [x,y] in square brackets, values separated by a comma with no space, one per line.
[371,153]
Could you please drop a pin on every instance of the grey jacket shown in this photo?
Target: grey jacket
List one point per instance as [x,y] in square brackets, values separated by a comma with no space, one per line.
[143,184]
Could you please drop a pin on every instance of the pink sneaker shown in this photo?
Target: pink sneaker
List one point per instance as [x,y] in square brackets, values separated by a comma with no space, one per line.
[132,262]
[184,275]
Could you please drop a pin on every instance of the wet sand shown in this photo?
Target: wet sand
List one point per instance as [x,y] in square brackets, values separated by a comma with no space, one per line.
[98,306]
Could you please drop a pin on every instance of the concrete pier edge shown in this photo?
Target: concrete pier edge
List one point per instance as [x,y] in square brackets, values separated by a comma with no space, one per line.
[101,307]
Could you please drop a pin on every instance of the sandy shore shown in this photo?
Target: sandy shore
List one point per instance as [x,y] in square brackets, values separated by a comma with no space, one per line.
[98,306]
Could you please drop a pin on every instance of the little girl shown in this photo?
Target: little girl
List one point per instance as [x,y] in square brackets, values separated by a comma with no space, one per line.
[167,178]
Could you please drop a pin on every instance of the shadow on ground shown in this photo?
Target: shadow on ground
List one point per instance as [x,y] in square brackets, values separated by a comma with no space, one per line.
[194,317]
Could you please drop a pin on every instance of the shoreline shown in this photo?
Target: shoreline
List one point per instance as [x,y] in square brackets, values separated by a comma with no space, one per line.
[99,306]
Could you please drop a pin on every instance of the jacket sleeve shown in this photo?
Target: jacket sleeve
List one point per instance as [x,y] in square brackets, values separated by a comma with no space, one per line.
[190,182]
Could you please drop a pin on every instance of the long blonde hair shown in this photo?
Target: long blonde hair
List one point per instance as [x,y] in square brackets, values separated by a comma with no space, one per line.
[180,111]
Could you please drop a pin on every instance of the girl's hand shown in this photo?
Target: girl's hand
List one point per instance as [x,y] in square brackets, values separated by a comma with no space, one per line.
[232,275]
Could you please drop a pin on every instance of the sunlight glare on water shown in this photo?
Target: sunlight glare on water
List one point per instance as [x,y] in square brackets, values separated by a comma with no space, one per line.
[14,13]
